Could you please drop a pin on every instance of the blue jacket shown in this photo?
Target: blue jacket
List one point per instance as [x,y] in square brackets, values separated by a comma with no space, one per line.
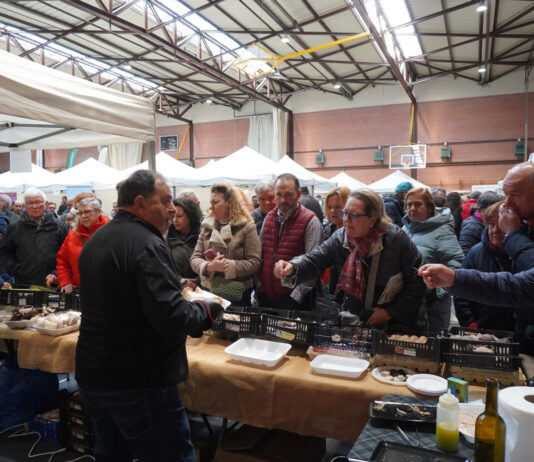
[470,233]
[506,289]
[394,209]
[484,258]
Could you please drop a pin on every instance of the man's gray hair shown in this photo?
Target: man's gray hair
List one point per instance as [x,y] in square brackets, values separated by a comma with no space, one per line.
[187,193]
[264,186]
[92,201]
[33,192]
[5,198]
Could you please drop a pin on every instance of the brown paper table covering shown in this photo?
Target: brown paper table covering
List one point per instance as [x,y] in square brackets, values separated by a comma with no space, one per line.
[289,396]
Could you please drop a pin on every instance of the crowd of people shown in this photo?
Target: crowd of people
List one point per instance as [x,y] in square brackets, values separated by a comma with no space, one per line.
[386,260]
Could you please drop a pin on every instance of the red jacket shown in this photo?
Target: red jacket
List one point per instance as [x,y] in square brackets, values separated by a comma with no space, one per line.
[466,208]
[67,257]
[290,244]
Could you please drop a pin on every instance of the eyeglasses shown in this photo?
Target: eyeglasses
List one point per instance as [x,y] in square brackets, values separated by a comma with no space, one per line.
[34,204]
[86,212]
[351,216]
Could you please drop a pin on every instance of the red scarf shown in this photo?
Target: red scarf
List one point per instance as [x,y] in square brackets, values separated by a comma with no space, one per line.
[352,278]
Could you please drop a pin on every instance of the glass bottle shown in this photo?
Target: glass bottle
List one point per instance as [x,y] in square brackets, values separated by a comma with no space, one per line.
[490,429]
[447,422]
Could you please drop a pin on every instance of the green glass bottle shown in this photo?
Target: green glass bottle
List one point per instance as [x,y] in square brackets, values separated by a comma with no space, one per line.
[490,429]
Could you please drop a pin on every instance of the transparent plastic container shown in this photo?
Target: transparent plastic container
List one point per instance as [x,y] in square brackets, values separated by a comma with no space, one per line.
[447,422]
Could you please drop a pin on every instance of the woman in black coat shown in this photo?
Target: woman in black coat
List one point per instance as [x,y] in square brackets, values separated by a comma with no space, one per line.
[183,235]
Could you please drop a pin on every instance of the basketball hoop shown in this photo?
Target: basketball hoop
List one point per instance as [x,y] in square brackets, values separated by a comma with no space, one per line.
[406,164]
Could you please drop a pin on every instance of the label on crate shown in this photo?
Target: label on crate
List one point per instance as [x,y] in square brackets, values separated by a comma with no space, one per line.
[284,334]
[405,351]
[232,327]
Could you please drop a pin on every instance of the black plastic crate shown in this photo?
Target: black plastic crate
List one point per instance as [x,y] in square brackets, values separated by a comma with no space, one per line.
[21,297]
[428,351]
[61,301]
[349,338]
[238,320]
[460,352]
[293,326]
[76,430]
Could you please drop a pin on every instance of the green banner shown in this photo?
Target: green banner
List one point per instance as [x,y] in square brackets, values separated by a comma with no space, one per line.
[71,160]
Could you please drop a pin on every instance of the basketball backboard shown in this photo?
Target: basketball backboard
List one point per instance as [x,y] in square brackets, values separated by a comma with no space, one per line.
[407,156]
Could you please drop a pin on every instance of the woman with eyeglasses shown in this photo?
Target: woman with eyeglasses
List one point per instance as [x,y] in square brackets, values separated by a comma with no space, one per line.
[90,219]
[433,233]
[379,266]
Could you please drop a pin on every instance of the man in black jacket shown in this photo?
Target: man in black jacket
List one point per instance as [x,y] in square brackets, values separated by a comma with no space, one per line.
[28,250]
[394,205]
[131,350]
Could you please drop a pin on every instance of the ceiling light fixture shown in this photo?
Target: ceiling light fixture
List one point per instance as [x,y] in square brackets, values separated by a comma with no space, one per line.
[285,38]
[337,85]
[209,101]
[482,69]
[482,7]
[127,67]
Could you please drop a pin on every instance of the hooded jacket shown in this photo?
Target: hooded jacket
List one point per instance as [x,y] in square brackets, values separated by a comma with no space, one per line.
[394,209]
[28,250]
[435,239]
[182,247]
[483,257]
[69,253]
[240,245]
[398,255]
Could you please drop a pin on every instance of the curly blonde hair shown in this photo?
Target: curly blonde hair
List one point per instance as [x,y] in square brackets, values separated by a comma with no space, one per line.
[238,207]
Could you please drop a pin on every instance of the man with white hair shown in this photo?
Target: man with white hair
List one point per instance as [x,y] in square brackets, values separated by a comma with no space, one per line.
[190,195]
[29,248]
[265,193]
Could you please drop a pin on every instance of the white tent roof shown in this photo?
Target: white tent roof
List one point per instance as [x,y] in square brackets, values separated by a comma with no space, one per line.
[342,179]
[244,166]
[178,173]
[81,113]
[18,182]
[209,163]
[305,176]
[390,182]
[90,172]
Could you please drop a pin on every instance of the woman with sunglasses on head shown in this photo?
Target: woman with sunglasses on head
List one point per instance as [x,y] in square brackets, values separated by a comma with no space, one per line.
[379,265]
[90,219]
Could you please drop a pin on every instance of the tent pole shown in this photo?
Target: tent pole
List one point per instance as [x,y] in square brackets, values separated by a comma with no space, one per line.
[151,151]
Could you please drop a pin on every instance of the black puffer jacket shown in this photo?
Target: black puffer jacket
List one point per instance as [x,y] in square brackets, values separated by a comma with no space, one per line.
[259,217]
[134,318]
[470,234]
[28,250]
[182,246]
[398,255]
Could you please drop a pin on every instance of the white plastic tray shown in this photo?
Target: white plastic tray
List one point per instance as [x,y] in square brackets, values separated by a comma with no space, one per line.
[427,384]
[474,409]
[57,332]
[338,365]
[19,324]
[253,350]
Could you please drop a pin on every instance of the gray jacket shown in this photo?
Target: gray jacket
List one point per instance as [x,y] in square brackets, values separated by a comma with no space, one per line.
[435,239]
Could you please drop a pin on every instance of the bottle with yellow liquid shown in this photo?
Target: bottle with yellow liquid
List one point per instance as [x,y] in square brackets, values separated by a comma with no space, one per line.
[447,422]
[490,429]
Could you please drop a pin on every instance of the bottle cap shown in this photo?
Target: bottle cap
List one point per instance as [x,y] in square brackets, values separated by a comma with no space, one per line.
[448,400]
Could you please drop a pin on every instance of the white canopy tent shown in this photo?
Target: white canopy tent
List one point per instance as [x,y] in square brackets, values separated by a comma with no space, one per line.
[243,167]
[178,173]
[342,179]
[90,172]
[18,182]
[305,176]
[390,182]
[43,108]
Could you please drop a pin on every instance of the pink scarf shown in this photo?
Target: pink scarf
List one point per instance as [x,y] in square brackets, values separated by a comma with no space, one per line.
[352,278]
